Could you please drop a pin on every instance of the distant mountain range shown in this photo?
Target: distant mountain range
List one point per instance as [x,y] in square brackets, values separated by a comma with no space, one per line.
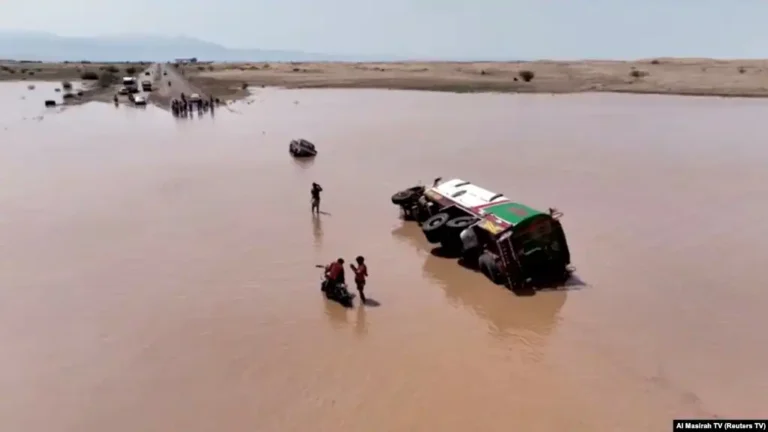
[40,46]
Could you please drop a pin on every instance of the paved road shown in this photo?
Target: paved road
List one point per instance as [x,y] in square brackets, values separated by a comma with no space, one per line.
[164,93]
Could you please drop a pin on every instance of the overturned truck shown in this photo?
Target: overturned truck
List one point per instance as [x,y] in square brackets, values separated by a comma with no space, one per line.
[510,243]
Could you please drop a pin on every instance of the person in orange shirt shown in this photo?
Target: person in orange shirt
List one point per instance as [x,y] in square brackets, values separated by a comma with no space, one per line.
[334,272]
[361,273]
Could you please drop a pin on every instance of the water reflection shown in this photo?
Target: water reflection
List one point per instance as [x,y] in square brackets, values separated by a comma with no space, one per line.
[361,321]
[303,163]
[317,229]
[505,313]
[336,313]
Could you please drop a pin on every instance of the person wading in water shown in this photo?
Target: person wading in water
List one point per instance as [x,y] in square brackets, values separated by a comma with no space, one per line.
[334,275]
[316,189]
[361,273]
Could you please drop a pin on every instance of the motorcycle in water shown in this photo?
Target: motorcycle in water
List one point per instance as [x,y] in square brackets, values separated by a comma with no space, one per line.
[337,292]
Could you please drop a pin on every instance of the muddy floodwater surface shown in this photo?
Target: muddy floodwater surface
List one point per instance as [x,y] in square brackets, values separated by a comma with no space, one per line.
[159,275]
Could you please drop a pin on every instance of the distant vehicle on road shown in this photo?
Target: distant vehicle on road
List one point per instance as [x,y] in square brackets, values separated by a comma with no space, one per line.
[165,73]
[194,98]
[123,91]
[138,100]
[130,83]
[146,85]
[146,73]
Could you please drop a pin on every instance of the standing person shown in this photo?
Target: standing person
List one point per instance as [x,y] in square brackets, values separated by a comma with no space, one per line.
[361,273]
[316,189]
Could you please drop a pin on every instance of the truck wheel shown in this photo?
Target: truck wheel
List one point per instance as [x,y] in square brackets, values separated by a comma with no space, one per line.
[461,222]
[489,268]
[450,237]
[406,196]
[433,227]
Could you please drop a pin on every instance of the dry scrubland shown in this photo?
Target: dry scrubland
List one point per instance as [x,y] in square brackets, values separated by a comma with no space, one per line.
[663,76]
[85,71]
[100,78]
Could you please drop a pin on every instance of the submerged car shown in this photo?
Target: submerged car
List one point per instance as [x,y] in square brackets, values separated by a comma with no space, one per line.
[302,148]
[510,243]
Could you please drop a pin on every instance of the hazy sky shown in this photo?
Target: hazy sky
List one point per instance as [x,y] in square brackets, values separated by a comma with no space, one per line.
[517,29]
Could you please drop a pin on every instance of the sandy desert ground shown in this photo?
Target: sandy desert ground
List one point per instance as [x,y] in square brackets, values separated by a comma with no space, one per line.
[745,78]
[663,76]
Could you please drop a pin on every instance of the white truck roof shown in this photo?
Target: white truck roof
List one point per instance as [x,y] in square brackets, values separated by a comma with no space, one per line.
[466,194]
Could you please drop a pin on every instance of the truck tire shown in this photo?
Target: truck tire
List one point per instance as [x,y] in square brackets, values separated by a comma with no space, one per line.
[434,226]
[488,267]
[461,222]
[406,196]
[403,197]
[450,237]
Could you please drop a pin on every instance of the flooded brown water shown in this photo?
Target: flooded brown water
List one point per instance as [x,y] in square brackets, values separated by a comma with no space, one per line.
[158,275]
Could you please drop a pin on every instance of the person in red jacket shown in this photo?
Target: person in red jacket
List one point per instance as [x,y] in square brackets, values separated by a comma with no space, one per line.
[335,272]
[361,273]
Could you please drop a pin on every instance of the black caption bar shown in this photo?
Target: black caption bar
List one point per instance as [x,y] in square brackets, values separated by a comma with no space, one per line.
[719,424]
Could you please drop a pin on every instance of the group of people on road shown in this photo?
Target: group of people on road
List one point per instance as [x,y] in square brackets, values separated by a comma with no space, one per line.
[184,106]
[334,272]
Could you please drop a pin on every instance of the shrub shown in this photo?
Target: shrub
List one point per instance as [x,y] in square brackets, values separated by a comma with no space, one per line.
[526,75]
[66,85]
[89,76]
[31,73]
[201,68]
[244,86]
[655,62]
[742,70]
[106,79]
[634,73]
[130,70]
[111,69]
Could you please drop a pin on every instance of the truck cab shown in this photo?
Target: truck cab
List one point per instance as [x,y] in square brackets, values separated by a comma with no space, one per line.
[130,84]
